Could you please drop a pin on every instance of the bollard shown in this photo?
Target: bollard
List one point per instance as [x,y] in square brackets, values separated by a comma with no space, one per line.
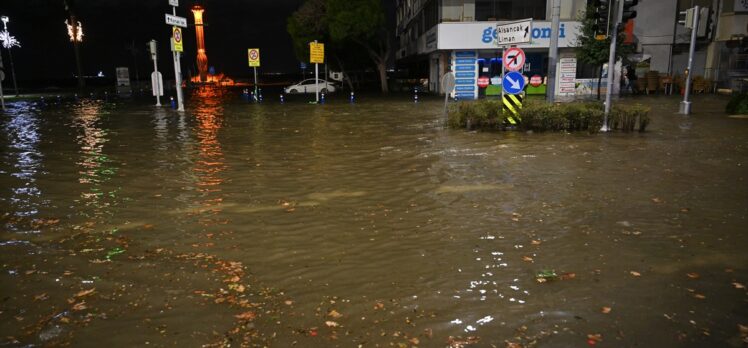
[251,97]
[59,100]
[353,98]
[415,95]
[259,95]
[75,97]
[282,98]
[322,98]
[173,103]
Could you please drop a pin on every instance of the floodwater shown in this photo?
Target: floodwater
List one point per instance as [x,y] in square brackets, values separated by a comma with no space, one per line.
[367,225]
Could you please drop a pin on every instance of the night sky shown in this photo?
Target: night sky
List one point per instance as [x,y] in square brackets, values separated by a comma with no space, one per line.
[110,26]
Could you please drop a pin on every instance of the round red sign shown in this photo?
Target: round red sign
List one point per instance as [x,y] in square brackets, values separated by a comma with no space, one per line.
[483,82]
[536,80]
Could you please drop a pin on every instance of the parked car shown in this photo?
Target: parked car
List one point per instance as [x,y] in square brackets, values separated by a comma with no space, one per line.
[308,86]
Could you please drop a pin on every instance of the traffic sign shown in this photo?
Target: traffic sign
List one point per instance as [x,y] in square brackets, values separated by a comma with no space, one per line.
[176,20]
[316,52]
[174,3]
[254,57]
[483,82]
[512,105]
[513,82]
[176,37]
[514,59]
[157,84]
[536,80]
[514,33]
[448,82]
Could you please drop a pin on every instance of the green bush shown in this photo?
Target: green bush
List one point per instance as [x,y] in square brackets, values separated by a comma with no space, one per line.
[541,116]
[738,104]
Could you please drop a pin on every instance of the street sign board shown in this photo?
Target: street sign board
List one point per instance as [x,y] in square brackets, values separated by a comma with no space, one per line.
[302,66]
[316,52]
[514,33]
[176,37]
[448,82]
[123,76]
[514,59]
[174,3]
[176,20]
[536,80]
[157,83]
[513,82]
[253,55]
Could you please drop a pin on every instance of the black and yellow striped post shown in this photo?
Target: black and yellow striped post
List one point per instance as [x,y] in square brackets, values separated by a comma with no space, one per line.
[512,105]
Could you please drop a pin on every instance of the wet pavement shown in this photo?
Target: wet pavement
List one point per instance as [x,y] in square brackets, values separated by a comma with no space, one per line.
[369,225]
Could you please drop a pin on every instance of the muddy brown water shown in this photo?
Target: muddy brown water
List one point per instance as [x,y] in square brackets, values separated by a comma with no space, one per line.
[367,225]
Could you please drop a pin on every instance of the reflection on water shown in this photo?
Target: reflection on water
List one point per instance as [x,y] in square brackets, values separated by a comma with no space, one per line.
[22,161]
[96,167]
[209,164]
[367,225]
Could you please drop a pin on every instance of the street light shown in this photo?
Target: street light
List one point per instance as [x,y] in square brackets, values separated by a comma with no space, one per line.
[8,42]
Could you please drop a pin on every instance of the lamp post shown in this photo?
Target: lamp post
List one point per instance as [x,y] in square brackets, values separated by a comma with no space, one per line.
[75,31]
[8,42]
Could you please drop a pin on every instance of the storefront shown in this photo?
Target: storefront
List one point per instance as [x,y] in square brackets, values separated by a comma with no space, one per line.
[448,43]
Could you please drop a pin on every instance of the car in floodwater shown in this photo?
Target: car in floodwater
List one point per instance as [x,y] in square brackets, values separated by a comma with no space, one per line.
[309,86]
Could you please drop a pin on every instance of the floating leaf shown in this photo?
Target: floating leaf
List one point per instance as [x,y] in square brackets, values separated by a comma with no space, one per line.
[527,259]
[635,274]
[738,285]
[606,310]
[331,323]
[249,315]
[85,292]
[334,314]
[693,275]
[699,296]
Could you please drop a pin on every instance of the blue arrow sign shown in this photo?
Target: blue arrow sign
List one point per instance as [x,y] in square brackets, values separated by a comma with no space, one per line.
[513,82]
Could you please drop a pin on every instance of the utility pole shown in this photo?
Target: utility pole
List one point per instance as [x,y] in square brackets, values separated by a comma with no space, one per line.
[685,105]
[611,65]
[177,66]
[2,76]
[553,52]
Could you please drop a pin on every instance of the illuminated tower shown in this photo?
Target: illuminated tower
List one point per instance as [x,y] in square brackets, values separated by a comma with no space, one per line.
[202,58]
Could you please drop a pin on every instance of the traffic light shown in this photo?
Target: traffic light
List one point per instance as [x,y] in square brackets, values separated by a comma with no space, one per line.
[600,15]
[628,11]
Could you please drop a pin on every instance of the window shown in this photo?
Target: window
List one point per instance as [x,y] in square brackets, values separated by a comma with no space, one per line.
[490,10]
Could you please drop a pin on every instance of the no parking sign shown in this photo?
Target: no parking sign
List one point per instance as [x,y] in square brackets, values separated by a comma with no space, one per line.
[254,57]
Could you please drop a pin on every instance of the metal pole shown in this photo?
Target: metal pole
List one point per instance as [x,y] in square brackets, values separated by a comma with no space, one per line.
[177,71]
[2,97]
[255,69]
[611,67]
[502,75]
[550,94]
[13,71]
[316,79]
[158,83]
[685,105]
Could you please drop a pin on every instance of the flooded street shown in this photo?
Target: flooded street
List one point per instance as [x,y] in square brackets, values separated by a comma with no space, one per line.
[368,225]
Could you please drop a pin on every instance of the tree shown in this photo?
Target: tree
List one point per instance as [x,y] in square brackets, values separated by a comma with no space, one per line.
[344,26]
[596,52]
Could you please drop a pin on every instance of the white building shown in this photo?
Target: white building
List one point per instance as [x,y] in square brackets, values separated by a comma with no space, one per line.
[430,32]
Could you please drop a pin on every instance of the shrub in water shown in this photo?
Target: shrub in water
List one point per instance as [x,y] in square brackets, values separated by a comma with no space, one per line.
[738,104]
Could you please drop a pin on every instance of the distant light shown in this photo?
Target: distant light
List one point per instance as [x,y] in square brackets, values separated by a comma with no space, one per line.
[101,74]
[8,41]
[79,32]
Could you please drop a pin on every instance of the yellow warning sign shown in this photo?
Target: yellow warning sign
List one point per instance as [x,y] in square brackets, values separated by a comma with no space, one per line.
[512,105]
[316,52]
[176,39]
[254,57]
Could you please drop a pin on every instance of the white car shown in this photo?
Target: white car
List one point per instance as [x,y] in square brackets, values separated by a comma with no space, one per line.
[308,86]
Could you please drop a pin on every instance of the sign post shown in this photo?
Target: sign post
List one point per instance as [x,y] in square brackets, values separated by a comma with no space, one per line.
[448,84]
[316,56]
[513,58]
[177,21]
[156,81]
[253,55]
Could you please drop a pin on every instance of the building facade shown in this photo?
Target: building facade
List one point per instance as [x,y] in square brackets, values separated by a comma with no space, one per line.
[431,32]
